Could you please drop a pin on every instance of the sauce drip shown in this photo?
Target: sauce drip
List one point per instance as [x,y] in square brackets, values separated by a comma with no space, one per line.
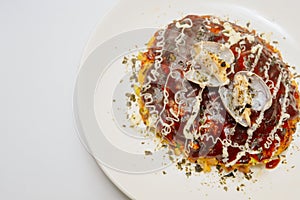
[272,164]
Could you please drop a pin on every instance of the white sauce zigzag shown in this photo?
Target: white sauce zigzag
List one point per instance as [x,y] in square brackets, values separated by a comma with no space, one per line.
[283,114]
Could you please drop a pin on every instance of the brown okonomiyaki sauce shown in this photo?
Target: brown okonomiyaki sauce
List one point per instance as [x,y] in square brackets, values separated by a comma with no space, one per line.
[192,119]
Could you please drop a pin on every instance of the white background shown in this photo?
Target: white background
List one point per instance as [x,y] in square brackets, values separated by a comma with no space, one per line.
[41,43]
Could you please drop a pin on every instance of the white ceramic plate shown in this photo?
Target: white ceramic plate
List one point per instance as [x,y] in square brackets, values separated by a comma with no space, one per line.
[95,111]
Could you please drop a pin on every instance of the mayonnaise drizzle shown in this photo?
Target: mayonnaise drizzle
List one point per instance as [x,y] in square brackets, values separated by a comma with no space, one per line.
[186,23]
[157,64]
[158,58]
[196,108]
[283,115]
[256,49]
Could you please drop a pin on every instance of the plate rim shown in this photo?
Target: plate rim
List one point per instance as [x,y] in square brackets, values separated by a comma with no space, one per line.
[85,55]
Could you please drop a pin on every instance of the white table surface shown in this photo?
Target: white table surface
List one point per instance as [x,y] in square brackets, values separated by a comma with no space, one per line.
[41,44]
